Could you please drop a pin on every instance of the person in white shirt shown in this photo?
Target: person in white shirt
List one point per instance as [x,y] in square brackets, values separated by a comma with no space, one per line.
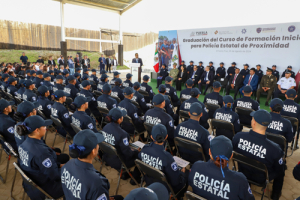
[284,84]
[37,66]
[115,64]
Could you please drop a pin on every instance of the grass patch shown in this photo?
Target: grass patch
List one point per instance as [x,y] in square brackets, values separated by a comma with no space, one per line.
[122,67]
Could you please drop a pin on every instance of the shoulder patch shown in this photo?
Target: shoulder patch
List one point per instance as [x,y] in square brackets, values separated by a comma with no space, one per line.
[175,93]
[143,100]
[66,115]
[151,91]
[102,197]
[249,190]
[174,166]
[49,106]
[91,126]
[210,137]
[33,98]
[125,141]
[170,105]
[171,123]
[280,161]
[238,121]
[11,130]
[114,106]
[47,163]
[135,115]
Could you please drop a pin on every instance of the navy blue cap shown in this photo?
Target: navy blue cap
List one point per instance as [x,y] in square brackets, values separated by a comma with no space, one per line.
[146,77]
[274,66]
[291,93]
[11,79]
[182,61]
[137,85]
[104,76]
[85,77]
[189,82]
[216,84]
[4,104]
[290,67]
[93,70]
[246,65]
[106,87]
[76,74]
[22,81]
[103,71]
[4,76]
[159,129]
[71,77]
[155,191]
[158,99]
[191,61]
[287,71]
[28,83]
[35,121]
[60,93]
[168,78]
[227,99]
[50,71]
[201,62]
[118,80]
[247,89]
[46,75]
[28,71]
[233,63]
[211,62]
[66,71]
[78,69]
[196,91]
[221,63]
[85,83]
[258,65]
[276,101]
[117,113]
[43,89]
[39,73]
[85,70]
[58,77]
[116,73]
[129,75]
[79,100]
[85,141]
[262,117]
[195,109]
[32,72]
[27,107]
[128,91]
[162,88]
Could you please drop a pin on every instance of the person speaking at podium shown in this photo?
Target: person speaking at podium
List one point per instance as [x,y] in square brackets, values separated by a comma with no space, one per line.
[137,60]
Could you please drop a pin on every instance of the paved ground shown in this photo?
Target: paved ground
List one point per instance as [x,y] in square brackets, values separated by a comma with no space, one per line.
[291,187]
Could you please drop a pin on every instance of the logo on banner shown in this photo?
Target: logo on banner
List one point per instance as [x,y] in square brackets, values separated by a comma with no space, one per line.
[244,30]
[200,33]
[192,34]
[216,32]
[291,28]
[258,30]
[266,30]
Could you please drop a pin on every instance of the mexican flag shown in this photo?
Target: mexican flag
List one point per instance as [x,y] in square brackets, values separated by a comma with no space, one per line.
[156,60]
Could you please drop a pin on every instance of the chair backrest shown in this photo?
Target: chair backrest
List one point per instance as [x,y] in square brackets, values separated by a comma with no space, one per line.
[9,147]
[56,121]
[97,93]
[148,127]
[135,103]
[183,99]
[109,149]
[29,181]
[75,128]
[190,145]
[222,124]
[239,158]
[293,120]
[184,114]
[144,93]
[40,113]
[243,111]
[192,196]
[103,110]
[127,119]
[18,100]
[212,107]
[116,98]
[278,139]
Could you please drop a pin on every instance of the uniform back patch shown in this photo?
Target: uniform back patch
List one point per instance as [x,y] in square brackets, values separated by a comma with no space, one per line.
[125,141]
[47,163]
[174,166]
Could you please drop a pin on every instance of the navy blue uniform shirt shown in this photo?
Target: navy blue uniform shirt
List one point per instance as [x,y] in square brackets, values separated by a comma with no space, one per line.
[127,83]
[38,82]
[170,91]
[45,105]
[29,95]
[105,101]
[12,90]
[92,104]
[213,98]
[246,102]
[84,121]
[186,93]
[117,92]
[245,72]
[139,98]
[49,85]
[58,87]
[292,109]
[148,89]
[7,129]
[230,70]
[71,90]
[221,71]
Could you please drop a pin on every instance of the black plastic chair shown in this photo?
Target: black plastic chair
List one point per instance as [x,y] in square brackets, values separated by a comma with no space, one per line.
[110,150]
[190,145]
[9,152]
[150,171]
[246,112]
[144,93]
[135,103]
[128,119]
[75,128]
[116,98]
[212,109]
[183,115]
[239,158]
[278,139]
[192,196]
[97,93]
[221,124]
[103,112]
[183,99]
[295,123]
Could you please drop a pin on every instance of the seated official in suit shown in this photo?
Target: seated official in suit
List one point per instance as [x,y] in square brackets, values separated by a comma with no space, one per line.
[181,78]
[207,78]
[251,79]
[196,74]
[162,75]
[235,82]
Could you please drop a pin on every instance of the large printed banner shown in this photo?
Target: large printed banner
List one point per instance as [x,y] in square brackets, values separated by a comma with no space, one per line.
[267,45]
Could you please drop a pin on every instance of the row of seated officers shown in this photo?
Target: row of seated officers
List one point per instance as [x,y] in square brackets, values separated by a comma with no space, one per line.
[36,157]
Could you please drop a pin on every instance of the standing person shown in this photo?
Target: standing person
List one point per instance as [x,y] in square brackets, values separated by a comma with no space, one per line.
[285,83]
[108,64]
[289,68]
[200,67]
[206,79]
[71,65]
[40,60]
[77,61]
[268,84]
[190,68]
[147,88]
[138,60]
[114,63]
[275,72]
[259,72]
[51,61]
[221,72]
[245,71]
[102,62]
[182,77]
[231,70]
[182,64]
[23,58]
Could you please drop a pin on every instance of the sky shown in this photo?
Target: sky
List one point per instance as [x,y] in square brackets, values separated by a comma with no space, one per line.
[156,15]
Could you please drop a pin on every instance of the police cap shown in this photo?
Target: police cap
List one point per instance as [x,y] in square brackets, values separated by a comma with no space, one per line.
[27,107]
[291,93]
[211,62]
[58,77]
[276,101]
[103,71]
[32,72]
[246,65]
[128,75]
[128,91]
[146,77]
[191,61]
[28,83]
[162,88]
[227,99]
[168,78]
[201,62]
[85,83]
[76,74]
[221,63]
[33,122]
[159,130]
[221,145]
[43,89]
[118,80]
[4,76]
[106,87]
[289,67]
[71,77]
[11,79]
[79,100]
[248,89]
[262,117]
[158,99]
[189,82]
[93,70]
[117,113]
[104,76]
[85,70]
[258,65]
[269,69]
[78,69]
[116,73]
[60,93]
[216,84]
[287,71]
[4,104]
[195,109]
[195,92]
[233,63]
[137,85]
[46,75]
[39,73]
[155,191]
[66,71]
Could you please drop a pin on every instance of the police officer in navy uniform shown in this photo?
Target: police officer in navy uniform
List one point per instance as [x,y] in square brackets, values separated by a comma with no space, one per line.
[259,72]
[280,125]
[139,98]
[78,80]
[182,64]
[12,89]
[47,82]
[223,183]
[38,161]
[38,80]
[21,89]
[155,191]
[185,106]
[32,75]
[170,91]
[58,85]
[127,83]
[105,100]
[289,68]
[186,93]
[45,103]
[103,80]
[52,75]
[211,67]
[117,91]
[29,95]
[71,88]
[275,72]
[255,145]
[145,87]
[58,110]
[227,114]
[246,102]
[5,79]
[192,130]
[95,79]
[221,72]
[7,124]
[119,138]
[154,154]
[245,71]
[190,68]
[116,75]
[157,115]
[231,70]
[28,74]
[200,68]
[214,97]
[162,75]
[132,112]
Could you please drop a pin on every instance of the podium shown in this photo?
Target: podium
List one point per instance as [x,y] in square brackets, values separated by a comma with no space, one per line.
[136,72]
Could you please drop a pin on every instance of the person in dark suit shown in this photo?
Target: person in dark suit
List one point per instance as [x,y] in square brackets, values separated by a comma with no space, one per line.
[196,74]
[77,61]
[61,61]
[207,78]
[108,64]
[40,60]
[85,62]
[138,60]
[102,62]
[181,78]
[235,82]
[51,61]
[251,79]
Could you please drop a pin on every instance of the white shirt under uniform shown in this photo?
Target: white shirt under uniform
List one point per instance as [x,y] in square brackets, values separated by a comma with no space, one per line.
[286,83]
